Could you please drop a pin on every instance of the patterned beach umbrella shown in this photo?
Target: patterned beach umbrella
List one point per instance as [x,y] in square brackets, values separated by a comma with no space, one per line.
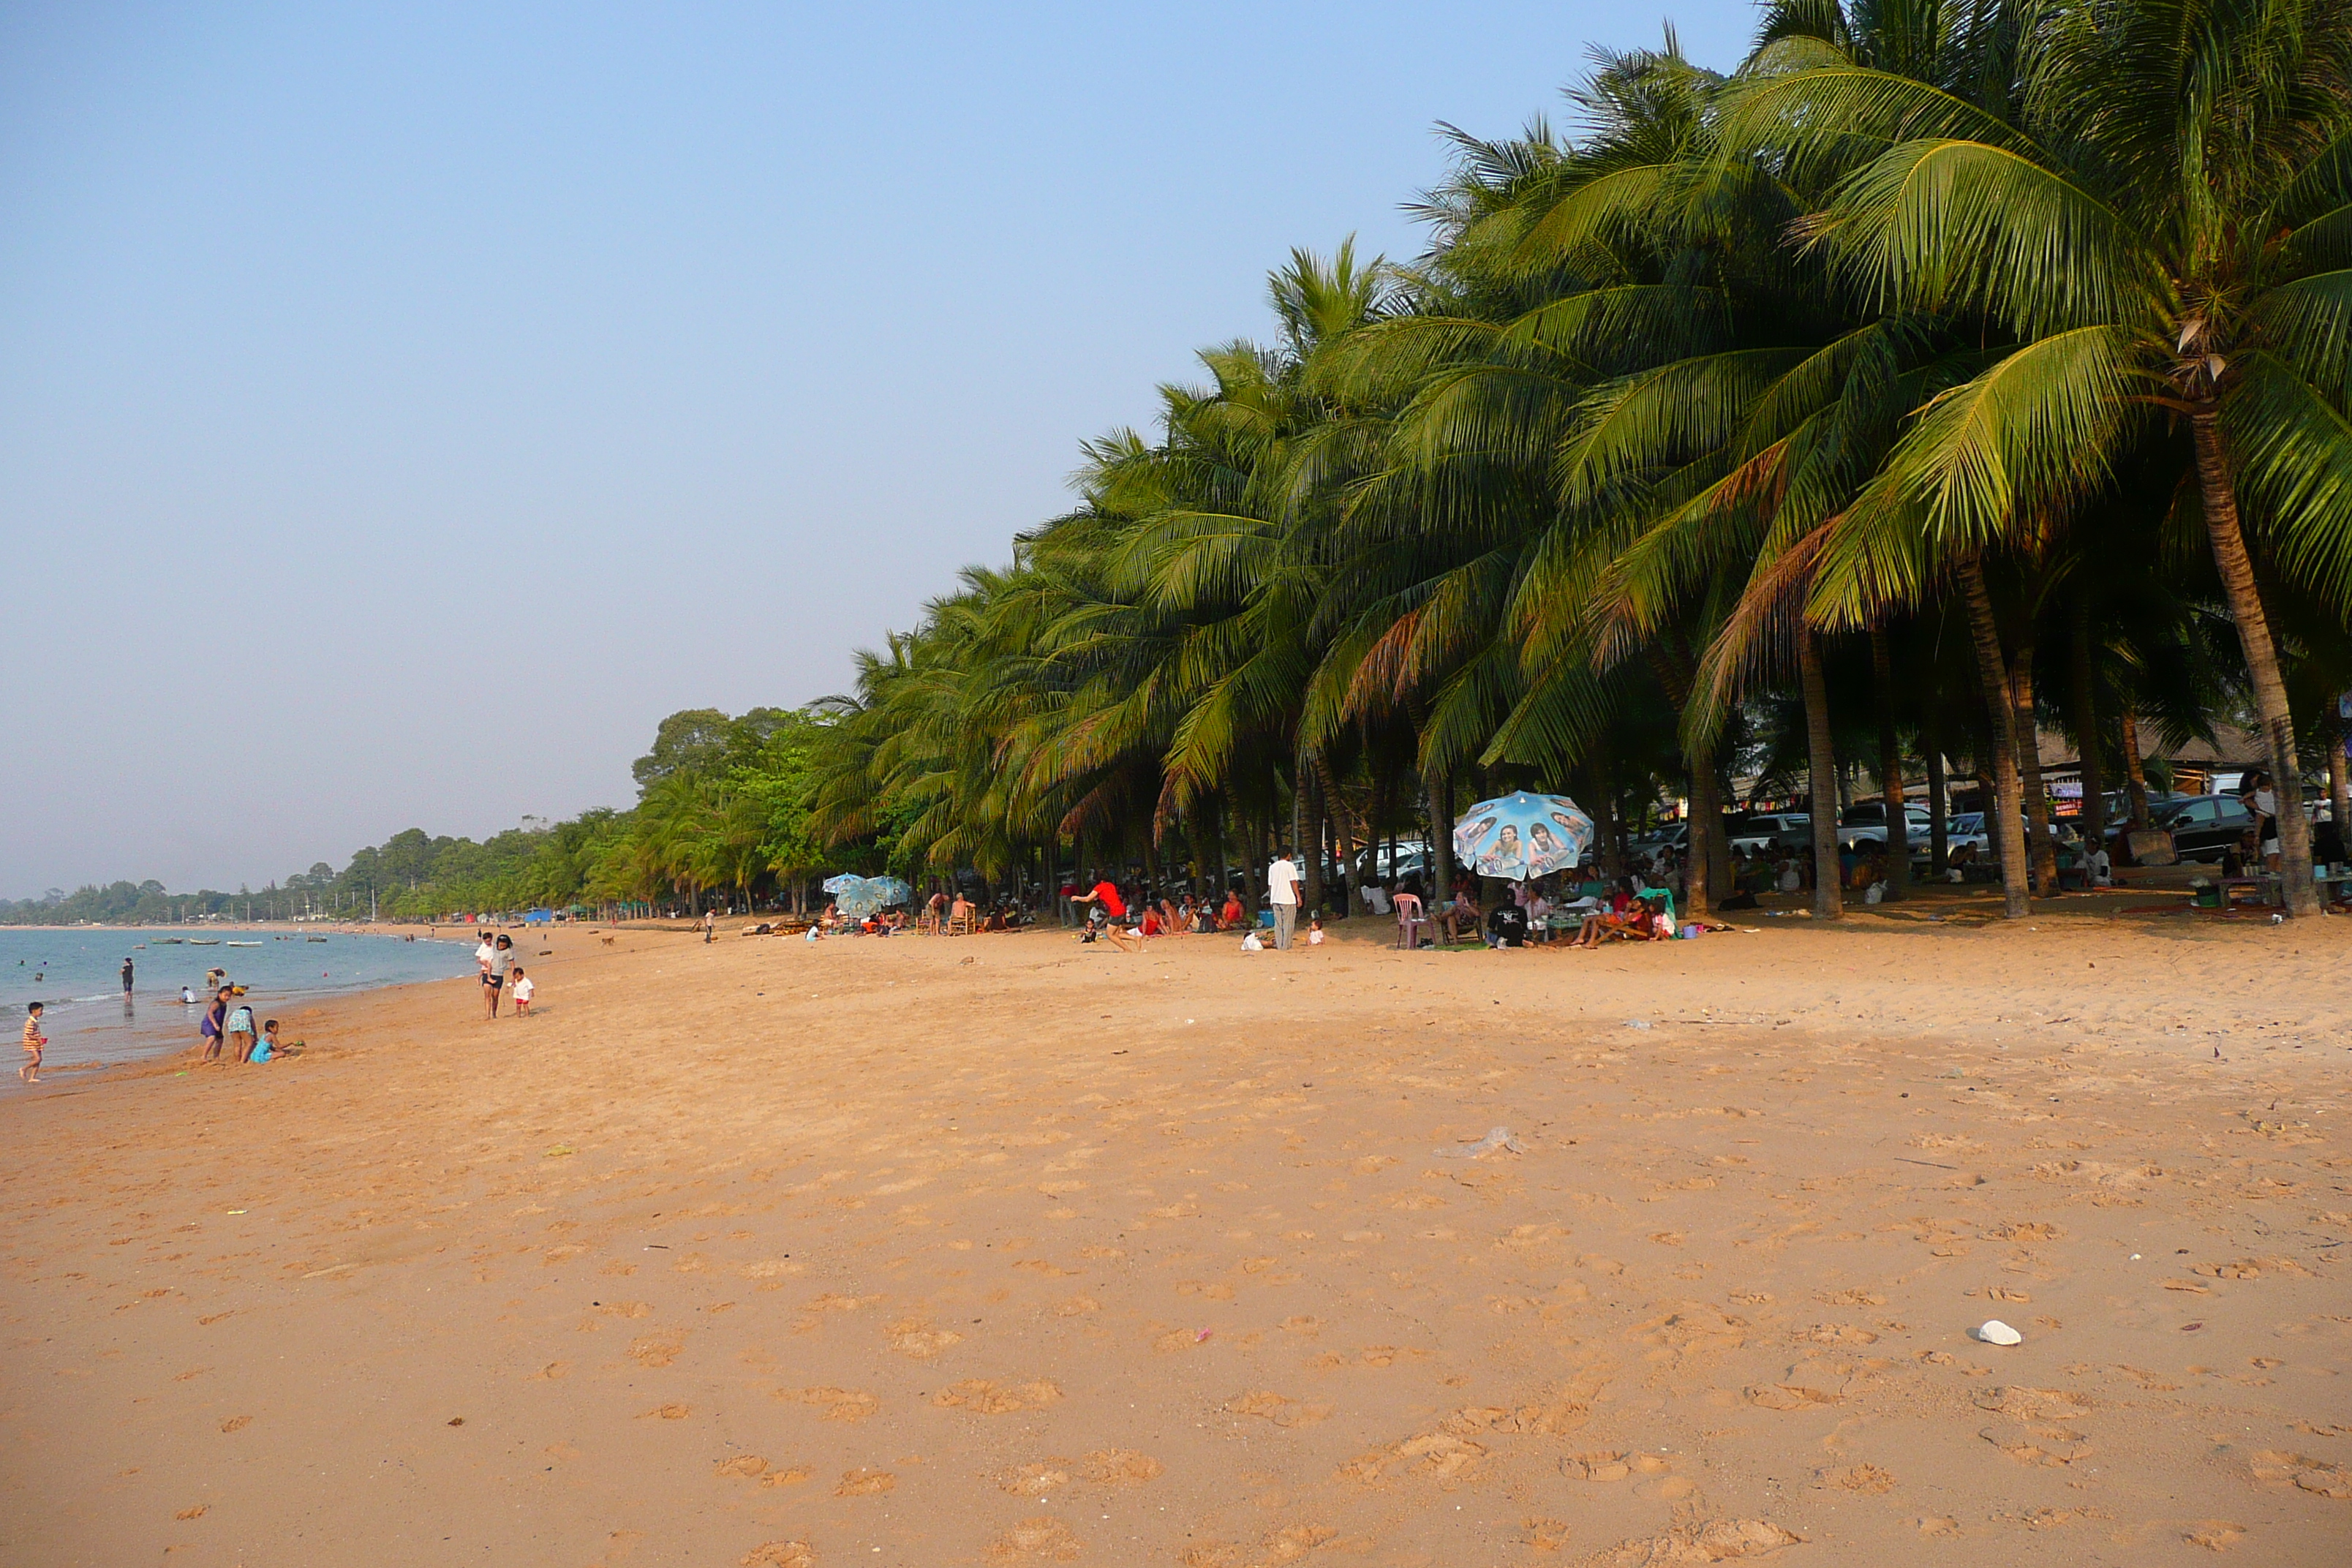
[858,897]
[1522,837]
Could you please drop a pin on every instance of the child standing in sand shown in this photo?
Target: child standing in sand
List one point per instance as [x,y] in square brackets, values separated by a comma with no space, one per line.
[524,989]
[34,1041]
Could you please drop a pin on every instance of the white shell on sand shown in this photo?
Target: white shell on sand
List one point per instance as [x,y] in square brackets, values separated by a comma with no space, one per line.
[1996,1332]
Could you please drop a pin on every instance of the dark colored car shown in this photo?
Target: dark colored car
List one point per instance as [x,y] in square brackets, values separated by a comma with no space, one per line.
[2201,826]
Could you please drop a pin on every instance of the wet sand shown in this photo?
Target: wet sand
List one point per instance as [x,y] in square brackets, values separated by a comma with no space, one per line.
[1005,1251]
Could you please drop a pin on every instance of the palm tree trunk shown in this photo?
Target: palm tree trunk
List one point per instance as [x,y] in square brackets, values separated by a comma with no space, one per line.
[2044,842]
[2339,786]
[1441,840]
[1940,794]
[1892,800]
[2217,487]
[2087,730]
[2134,772]
[1829,891]
[2008,820]
[1311,844]
[1700,876]
[1343,829]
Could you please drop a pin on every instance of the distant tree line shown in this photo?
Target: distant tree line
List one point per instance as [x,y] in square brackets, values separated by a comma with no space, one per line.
[721,814]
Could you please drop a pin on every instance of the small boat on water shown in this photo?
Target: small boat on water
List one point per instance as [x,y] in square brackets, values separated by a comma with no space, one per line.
[314,939]
[170,940]
[203,941]
[244,945]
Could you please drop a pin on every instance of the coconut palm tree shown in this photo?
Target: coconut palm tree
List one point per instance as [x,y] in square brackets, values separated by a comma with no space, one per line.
[2159,232]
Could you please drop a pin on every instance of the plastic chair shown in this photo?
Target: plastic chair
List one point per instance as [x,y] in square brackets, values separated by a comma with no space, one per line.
[1410,921]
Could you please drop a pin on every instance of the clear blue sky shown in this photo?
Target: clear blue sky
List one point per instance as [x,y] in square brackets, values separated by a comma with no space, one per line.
[403,407]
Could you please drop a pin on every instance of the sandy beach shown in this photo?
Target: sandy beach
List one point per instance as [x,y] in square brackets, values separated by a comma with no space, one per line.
[1007,1250]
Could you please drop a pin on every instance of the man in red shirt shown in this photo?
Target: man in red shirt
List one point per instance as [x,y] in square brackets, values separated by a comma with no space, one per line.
[1105,915]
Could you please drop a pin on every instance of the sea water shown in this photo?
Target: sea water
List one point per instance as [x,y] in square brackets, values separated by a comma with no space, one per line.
[78,972]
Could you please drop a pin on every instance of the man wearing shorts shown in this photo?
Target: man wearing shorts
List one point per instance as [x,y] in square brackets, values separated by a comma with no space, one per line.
[1106,913]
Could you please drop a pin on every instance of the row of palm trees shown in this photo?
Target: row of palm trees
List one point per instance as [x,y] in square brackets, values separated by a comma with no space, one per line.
[1945,374]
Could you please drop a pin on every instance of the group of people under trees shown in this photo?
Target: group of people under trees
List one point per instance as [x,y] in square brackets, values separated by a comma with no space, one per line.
[1112,916]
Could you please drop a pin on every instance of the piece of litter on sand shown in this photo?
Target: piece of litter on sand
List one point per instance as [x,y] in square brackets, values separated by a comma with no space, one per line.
[559,1151]
[1204,1334]
[1637,1022]
[1996,1332]
[1497,1138]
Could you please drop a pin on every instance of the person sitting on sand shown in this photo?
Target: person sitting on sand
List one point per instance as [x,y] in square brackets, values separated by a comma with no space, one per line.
[266,1048]
[996,920]
[1314,931]
[34,1041]
[1231,915]
[1151,925]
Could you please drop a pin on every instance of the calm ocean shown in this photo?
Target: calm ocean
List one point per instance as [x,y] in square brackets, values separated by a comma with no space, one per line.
[79,973]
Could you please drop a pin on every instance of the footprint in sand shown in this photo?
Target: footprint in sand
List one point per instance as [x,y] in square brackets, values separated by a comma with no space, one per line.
[237,1424]
[1790,1396]
[2321,1476]
[1863,1477]
[1272,1407]
[864,1482]
[1719,1541]
[1077,1306]
[744,1465]
[654,1350]
[1276,1550]
[984,1397]
[1043,1539]
[1546,1535]
[198,1511]
[1598,1465]
[1119,1467]
[791,1478]
[2214,1535]
[1035,1480]
[914,1338]
[666,1413]
[840,1403]
[778,1554]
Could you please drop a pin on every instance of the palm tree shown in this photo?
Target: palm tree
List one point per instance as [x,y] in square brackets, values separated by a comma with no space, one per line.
[2159,233]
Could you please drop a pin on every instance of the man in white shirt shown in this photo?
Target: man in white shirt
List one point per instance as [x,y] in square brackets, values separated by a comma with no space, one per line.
[1282,891]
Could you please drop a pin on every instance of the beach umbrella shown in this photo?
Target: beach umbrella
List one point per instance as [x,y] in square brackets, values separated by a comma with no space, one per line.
[1522,837]
[858,897]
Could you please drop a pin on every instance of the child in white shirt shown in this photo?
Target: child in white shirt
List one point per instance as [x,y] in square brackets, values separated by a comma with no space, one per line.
[524,989]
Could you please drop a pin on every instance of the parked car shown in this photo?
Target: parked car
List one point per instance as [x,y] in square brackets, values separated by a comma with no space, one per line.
[1772,833]
[1674,838]
[2203,826]
[1867,824]
[1967,827]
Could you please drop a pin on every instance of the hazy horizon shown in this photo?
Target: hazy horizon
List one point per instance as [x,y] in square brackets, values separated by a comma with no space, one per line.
[406,407]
